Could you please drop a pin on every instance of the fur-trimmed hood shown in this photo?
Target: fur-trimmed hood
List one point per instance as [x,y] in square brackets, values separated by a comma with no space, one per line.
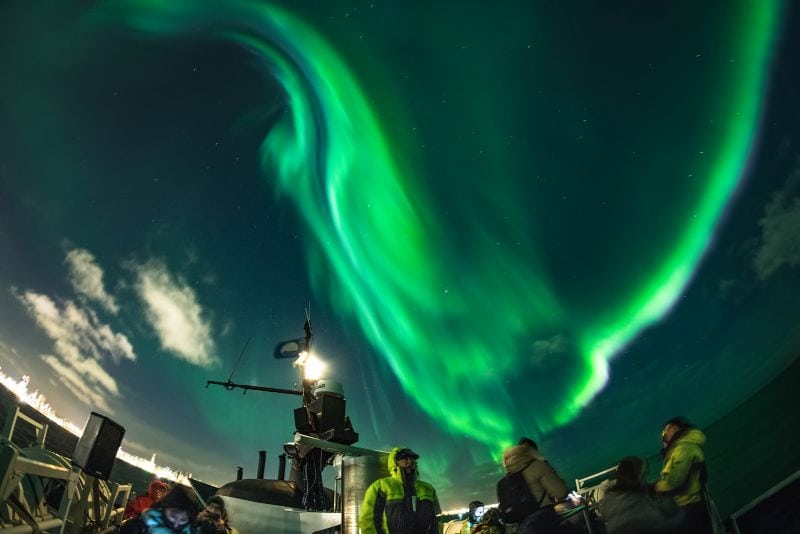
[518,457]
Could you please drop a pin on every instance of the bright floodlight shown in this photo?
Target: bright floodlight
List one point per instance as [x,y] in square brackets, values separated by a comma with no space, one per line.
[313,367]
[301,359]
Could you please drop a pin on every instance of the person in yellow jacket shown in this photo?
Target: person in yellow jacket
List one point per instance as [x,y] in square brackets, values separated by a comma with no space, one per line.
[683,474]
[400,503]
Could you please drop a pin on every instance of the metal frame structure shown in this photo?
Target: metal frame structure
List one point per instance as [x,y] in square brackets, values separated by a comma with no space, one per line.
[40,429]
[31,517]
[23,478]
[92,507]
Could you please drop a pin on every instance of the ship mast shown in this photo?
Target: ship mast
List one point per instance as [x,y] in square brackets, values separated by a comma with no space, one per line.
[321,416]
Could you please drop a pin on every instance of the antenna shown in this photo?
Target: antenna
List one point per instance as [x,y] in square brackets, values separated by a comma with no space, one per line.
[307,327]
[322,418]
[230,378]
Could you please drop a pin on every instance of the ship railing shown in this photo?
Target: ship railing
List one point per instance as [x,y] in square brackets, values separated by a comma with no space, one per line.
[766,496]
[39,429]
[99,504]
[120,493]
[18,514]
[591,488]
[85,502]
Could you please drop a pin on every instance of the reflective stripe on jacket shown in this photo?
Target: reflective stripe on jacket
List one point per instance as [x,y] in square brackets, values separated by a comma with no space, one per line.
[386,510]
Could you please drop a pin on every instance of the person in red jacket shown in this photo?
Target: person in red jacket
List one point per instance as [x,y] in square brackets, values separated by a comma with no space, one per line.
[155,491]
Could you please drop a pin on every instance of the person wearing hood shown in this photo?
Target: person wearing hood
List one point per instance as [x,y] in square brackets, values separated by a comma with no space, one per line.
[213,519]
[546,486]
[683,474]
[155,490]
[175,512]
[400,503]
[465,526]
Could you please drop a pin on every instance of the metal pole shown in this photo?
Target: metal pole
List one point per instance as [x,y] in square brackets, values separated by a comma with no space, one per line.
[282,467]
[262,460]
[232,385]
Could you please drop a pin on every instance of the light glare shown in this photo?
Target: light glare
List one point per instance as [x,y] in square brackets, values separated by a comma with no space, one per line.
[313,368]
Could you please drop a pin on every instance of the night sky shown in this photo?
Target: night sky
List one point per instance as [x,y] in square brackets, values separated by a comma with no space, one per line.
[569,222]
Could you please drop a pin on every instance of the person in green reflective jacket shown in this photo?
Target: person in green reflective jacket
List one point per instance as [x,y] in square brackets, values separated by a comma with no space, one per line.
[683,475]
[400,503]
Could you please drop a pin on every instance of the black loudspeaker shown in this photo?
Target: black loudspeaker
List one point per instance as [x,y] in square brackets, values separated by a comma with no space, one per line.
[98,446]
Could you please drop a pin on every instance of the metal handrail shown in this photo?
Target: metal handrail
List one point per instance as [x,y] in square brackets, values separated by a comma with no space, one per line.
[579,482]
[112,512]
[13,469]
[764,496]
[40,429]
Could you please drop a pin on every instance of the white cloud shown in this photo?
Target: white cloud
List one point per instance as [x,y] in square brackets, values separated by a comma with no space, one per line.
[76,383]
[81,343]
[86,278]
[76,330]
[780,230]
[176,315]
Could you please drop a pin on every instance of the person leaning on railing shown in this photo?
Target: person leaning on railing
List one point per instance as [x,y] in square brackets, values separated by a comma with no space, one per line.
[627,506]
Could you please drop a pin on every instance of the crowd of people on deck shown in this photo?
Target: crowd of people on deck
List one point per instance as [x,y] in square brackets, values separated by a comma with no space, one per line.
[165,510]
[532,498]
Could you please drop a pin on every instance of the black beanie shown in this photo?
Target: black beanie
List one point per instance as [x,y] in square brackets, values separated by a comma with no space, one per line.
[680,422]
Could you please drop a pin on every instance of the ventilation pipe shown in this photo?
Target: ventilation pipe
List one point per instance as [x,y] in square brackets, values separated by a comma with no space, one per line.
[282,467]
[262,460]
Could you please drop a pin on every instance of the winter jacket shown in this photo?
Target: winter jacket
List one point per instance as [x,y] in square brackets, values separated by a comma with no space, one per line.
[156,523]
[634,512]
[543,481]
[138,505]
[683,463]
[388,510]
[457,526]
[152,522]
[211,527]
[490,523]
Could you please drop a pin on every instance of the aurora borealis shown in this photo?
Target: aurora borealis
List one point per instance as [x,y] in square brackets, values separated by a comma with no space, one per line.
[516,220]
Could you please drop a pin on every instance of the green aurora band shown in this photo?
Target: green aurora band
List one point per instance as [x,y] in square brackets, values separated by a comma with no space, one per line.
[377,249]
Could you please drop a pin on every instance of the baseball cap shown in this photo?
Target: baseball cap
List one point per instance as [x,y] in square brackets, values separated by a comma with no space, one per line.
[405,453]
